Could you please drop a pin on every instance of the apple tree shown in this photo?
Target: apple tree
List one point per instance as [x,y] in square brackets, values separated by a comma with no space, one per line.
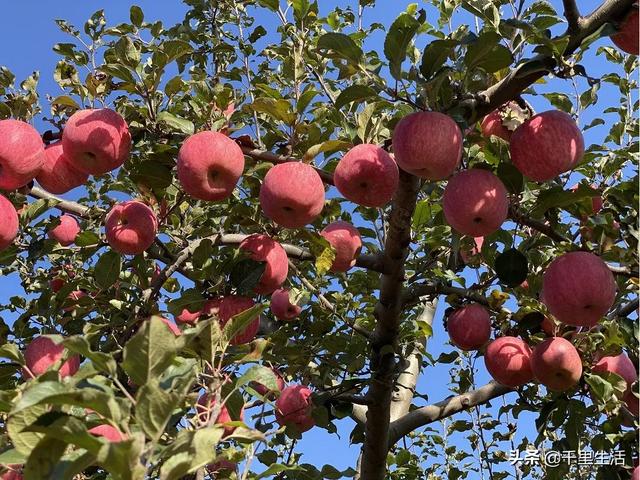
[245,226]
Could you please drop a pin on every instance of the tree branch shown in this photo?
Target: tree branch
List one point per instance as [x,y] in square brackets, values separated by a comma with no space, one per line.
[541,227]
[385,335]
[445,408]
[572,14]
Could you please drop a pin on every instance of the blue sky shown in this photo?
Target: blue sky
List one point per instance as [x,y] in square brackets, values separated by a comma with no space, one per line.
[27,34]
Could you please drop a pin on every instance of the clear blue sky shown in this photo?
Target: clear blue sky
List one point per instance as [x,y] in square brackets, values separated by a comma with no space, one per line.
[27,34]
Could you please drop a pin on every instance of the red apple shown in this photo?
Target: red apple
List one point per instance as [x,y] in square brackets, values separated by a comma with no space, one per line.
[108,432]
[367,175]
[292,194]
[187,317]
[556,364]
[636,471]
[21,153]
[263,390]
[469,327]
[346,241]
[14,472]
[508,360]
[475,202]
[428,145]
[57,174]
[578,289]
[492,125]
[547,145]
[131,227]
[56,284]
[96,141]
[548,326]
[294,406]
[282,307]
[43,352]
[204,408]
[66,231]
[263,248]
[209,165]
[621,365]
[230,306]
[626,39]
[8,222]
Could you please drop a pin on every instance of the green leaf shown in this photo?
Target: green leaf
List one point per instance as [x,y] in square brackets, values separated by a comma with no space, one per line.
[11,352]
[56,393]
[44,458]
[557,197]
[136,16]
[328,146]
[190,451]
[270,4]
[107,269]
[510,177]
[512,267]
[436,55]
[238,323]
[23,441]
[87,238]
[102,361]
[400,35]
[12,457]
[150,351]
[355,93]
[277,109]
[176,122]
[65,101]
[343,46]
[560,101]
[487,53]
[154,407]
[259,374]
[323,252]
[152,174]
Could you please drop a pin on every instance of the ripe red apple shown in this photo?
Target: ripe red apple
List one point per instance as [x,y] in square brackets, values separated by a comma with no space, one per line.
[556,364]
[346,241]
[21,153]
[209,165]
[96,141]
[8,222]
[547,145]
[621,365]
[292,194]
[492,125]
[548,326]
[626,39]
[636,471]
[282,307]
[56,284]
[43,352]
[294,406]
[263,248]
[108,432]
[131,227]
[187,317]
[204,408]
[475,202]
[428,145]
[14,472]
[508,360]
[367,175]
[263,390]
[469,327]
[230,306]
[58,175]
[578,289]
[66,231]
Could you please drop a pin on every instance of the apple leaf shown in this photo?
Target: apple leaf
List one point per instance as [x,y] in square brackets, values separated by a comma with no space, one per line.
[107,270]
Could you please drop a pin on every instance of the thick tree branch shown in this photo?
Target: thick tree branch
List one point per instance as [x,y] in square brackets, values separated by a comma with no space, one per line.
[445,408]
[383,342]
[408,378]
[572,14]
[412,295]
